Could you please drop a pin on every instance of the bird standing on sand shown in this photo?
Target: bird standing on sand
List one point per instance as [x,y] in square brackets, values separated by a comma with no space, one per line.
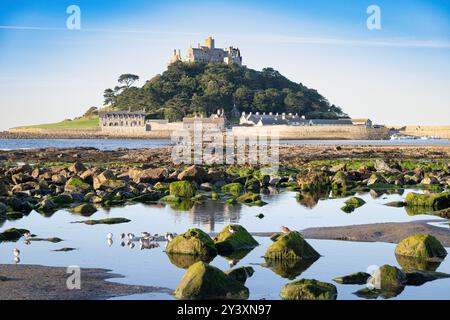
[232,229]
[285,229]
[169,237]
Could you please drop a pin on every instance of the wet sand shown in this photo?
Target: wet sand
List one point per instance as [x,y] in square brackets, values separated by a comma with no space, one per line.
[32,282]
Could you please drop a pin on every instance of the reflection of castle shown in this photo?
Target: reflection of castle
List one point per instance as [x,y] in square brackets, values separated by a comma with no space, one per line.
[209,53]
[210,212]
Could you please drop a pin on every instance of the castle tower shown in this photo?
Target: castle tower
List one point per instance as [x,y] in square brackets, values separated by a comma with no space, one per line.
[209,42]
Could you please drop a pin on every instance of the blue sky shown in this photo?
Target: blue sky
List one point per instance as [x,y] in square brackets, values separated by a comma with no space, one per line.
[397,75]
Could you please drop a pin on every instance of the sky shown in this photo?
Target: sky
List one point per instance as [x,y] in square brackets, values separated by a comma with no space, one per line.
[397,74]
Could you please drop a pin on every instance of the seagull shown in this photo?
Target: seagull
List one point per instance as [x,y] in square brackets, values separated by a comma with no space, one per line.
[285,229]
[122,244]
[16,252]
[110,236]
[232,229]
[27,242]
[131,245]
[27,234]
[122,236]
[145,234]
[169,237]
[110,242]
[131,236]
[16,260]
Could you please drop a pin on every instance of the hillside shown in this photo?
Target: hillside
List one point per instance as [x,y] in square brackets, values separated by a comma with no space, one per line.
[85,122]
[184,89]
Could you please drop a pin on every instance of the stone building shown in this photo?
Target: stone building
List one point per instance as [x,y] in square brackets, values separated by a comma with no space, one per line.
[123,121]
[215,121]
[209,53]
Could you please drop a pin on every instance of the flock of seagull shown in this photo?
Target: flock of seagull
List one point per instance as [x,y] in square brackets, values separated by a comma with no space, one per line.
[146,240]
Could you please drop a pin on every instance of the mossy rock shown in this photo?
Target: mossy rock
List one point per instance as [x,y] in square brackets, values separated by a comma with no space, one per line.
[193,242]
[249,198]
[354,278]
[241,239]
[62,199]
[85,209]
[75,184]
[184,261]
[291,246]
[171,199]
[231,201]
[51,239]
[289,269]
[435,201]
[233,189]
[14,215]
[105,221]
[12,234]
[308,289]
[339,181]
[240,274]
[422,246]
[183,189]
[202,281]
[347,208]
[313,181]
[388,279]
[395,204]
[355,202]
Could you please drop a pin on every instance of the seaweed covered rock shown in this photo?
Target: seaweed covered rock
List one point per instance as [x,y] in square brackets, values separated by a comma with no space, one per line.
[183,189]
[75,184]
[234,237]
[291,246]
[354,278]
[422,246]
[339,181]
[193,242]
[233,189]
[85,209]
[355,202]
[193,173]
[240,274]
[202,281]
[251,198]
[435,201]
[388,279]
[308,289]
[312,181]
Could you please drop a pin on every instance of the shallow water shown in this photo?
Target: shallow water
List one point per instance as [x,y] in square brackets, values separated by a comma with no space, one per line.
[113,144]
[153,267]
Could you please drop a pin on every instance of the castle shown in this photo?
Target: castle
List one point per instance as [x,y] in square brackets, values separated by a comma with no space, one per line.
[209,53]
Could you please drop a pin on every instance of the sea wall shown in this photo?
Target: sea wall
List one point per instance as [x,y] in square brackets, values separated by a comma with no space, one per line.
[420,131]
[316,132]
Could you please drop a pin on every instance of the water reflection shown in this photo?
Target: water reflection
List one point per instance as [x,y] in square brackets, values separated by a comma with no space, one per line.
[411,264]
[289,269]
[184,261]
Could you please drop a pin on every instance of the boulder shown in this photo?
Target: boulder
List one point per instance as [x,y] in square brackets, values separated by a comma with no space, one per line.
[376,179]
[75,184]
[12,234]
[240,274]
[388,279]
[251,198]
[312,181]
[427,181]
[240,239]
[339,181]
[3,189]
[193,242]
[202,281]
[62,199]
[183,189]
[77,167]
[59,179]
[3,208]
[47,206]
[435,201]
[291,246]
[382,166]
[233,189]
[193,173]
[148,175]
[354,278]
[355,202]
[422,246]
[308,289]
[85,209]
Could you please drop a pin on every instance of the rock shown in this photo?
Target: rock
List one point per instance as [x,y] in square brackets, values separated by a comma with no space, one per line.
[354,278]
[355,202]
[215,196]
[312,181]
[339,181]
[291,246]
[3,189]
[435,201]
[85,209]
[422,246]
[148,175]
[202,281]
[240,274]
[62,199]
[104,221]
[59,179]
[232,189]
[75,184]
[417,278]
[388,279]
[396,204]
[193,173]
[12,234]
[193,242]
[240,239]
[47,206]
[183,189]
[21,178]
[380,165]
[3,208]
[348,208]
[376,179]
[306,289]
[338,167]
[251,198]
[77,167]
[148,197]
[427,181]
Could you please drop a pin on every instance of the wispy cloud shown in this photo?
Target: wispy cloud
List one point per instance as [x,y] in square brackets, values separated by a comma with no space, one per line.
[386,42]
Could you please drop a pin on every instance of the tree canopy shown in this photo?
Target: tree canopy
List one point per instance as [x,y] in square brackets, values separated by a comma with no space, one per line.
[188,88]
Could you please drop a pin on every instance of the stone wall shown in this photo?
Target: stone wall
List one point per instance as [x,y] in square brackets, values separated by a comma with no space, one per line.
[420,131]
[316,132]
